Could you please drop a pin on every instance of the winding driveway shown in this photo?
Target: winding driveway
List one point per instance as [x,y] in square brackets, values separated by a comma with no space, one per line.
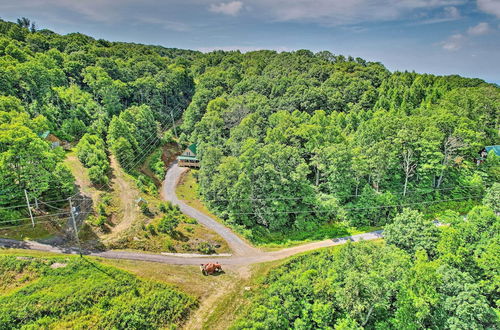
[243,253]
[237,245]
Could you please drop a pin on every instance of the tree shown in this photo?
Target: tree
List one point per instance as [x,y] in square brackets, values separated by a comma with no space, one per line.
[167,224]
[410,231]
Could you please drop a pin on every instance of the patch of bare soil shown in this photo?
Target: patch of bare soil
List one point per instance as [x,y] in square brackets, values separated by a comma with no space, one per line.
[127,195]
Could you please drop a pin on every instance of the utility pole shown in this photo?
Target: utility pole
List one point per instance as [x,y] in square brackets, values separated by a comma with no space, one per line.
[29,207]
[72,210]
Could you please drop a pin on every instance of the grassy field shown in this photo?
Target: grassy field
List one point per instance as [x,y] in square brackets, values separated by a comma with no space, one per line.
[187,190]
[38,290]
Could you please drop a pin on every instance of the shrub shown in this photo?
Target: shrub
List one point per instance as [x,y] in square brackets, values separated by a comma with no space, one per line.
[151,229]
[169,245]
[206,248]
[191,221]
[144,209]
[165,207]
[167,224]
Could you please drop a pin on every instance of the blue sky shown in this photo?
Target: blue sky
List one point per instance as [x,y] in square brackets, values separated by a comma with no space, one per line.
[434,36]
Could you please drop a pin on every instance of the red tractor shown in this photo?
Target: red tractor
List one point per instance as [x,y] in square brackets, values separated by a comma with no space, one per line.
[211,268]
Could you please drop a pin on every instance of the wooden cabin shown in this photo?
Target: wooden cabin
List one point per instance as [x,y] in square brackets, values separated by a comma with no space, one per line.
[54,140]
[188,157]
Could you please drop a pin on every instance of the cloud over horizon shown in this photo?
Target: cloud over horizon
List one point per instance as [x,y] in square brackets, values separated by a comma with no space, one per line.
[230,8]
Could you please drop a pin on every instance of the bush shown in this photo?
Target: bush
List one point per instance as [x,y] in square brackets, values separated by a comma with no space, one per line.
[98,221]
[144,209]
[169,245]
[191,221]
[165,207]
[101,208]
[167,224]
[91,152]
[151,229]
[206,248]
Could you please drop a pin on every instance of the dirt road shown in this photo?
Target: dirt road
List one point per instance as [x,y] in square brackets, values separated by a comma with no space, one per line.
[243,253]
[175,260]
[127,197]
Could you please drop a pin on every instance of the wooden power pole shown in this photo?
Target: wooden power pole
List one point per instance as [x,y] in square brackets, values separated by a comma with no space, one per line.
[29,207]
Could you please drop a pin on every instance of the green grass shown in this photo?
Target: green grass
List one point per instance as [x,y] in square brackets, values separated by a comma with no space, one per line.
[25,231]
[73,292]
[268,239]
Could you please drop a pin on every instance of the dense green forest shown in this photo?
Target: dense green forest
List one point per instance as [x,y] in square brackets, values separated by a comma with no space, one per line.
[288,141]
[422,277]
[44,293]
[109,96]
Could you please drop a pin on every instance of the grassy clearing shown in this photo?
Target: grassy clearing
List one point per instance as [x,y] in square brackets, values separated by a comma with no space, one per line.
[187,278]
[212,292]
[69,292]
[187,190]
[42,230]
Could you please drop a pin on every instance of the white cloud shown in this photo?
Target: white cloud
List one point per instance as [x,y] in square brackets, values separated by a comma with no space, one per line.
[455,42]
[490,6]
[481,28]
[231,8]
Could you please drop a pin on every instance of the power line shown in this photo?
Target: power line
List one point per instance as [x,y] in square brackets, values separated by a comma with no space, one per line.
[29,224]
[428,190]
[355,208]
[43,216]
[40,201]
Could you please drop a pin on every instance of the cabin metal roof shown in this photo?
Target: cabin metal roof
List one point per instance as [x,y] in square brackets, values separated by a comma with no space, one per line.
[187,158]
[496,149]
[193,148]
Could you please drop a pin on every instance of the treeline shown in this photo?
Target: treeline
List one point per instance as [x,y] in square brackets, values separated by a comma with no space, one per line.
[106,95]
[289,141]
[422,277]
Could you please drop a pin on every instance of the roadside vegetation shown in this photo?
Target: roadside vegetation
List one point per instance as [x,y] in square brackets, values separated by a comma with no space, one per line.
[69,292]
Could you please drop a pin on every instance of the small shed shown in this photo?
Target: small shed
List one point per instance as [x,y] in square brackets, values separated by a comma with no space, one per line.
[54,140]
[189,157]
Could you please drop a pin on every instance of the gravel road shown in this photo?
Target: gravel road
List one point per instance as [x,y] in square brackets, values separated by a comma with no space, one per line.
[243,253]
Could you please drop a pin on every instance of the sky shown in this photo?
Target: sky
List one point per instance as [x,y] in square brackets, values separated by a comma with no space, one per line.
[431,36]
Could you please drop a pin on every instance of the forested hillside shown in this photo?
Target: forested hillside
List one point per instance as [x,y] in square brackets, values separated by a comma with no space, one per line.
[75,86]
[422,277]
[288,141]
[292,140]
